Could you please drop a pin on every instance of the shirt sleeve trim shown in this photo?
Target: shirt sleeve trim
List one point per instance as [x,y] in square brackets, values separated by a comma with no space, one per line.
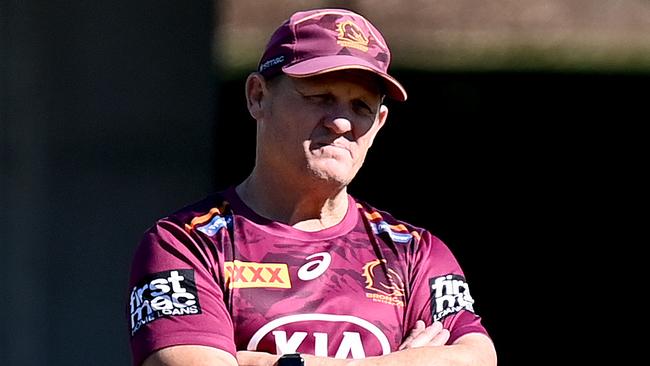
[144,347]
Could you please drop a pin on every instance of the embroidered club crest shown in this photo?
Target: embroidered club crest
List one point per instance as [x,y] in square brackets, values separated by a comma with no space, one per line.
[351,35]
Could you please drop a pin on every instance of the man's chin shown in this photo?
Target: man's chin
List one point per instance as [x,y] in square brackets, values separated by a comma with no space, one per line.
[332,176]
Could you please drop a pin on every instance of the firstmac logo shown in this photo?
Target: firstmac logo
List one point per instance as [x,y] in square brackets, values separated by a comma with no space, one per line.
[251,274]
[449,295]
[168,293]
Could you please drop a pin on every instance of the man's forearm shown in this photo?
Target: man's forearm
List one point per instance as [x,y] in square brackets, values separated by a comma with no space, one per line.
[474,350]
[469,350]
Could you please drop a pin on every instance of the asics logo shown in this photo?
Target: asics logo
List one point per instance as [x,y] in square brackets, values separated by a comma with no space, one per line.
[315,268]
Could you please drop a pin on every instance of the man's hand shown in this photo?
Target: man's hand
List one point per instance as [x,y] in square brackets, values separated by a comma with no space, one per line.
[251,358]
[420,336]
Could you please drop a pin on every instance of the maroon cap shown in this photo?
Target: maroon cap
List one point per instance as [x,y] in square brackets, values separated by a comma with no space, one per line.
[323,40]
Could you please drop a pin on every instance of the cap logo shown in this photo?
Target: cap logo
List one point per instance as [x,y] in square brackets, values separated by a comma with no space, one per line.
[271,62]
[351,35]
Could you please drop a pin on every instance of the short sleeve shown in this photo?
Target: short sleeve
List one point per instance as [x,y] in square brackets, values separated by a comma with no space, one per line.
[175,296]
[439,291]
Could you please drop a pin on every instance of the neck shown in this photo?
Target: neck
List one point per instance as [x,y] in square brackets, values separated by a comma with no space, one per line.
[306,207]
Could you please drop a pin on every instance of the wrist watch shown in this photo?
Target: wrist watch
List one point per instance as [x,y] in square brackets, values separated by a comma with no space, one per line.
[291,359]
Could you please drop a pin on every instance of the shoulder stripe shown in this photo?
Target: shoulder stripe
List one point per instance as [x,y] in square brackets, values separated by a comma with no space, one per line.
[207,217]
[398,233]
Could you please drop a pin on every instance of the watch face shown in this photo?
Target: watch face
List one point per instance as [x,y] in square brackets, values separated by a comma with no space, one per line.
[292,359]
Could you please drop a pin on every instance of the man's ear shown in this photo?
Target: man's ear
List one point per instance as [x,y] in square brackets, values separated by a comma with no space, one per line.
[256,90]
[380,121]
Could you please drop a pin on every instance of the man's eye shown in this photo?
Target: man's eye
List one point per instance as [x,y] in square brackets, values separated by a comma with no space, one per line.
[320,98]
[363,108]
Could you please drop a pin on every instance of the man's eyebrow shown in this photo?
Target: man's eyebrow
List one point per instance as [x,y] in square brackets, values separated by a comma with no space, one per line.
[371,100]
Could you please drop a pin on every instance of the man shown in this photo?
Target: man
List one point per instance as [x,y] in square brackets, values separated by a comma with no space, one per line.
[287,263]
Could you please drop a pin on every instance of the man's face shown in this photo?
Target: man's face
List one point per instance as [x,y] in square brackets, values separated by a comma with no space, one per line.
[322,126]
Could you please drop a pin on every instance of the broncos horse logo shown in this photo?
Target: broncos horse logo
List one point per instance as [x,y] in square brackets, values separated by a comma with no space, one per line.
[394,286]
[351,35]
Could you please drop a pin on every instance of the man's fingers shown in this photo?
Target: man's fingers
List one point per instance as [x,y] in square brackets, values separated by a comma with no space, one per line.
[419,327]
[426,336]
[421,336]
[440,339]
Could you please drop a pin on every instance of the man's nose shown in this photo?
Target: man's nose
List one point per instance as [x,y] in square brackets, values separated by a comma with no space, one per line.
[339,124]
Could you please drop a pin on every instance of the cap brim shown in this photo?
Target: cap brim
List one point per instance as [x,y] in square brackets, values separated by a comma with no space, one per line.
[321,65]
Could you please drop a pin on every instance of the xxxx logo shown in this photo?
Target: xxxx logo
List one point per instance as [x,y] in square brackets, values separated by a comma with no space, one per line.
[251,274]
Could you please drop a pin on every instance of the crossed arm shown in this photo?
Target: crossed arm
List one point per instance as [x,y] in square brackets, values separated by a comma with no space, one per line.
[424,346]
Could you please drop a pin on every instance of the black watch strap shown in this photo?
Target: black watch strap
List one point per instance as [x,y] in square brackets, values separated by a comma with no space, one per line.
[291,359]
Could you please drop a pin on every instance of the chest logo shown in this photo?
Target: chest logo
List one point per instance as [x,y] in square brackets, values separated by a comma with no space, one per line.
[251,274]
[385,286]
[315,268]
[314,333]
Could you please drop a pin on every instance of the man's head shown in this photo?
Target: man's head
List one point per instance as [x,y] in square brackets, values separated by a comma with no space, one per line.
[318,97]
[324,40]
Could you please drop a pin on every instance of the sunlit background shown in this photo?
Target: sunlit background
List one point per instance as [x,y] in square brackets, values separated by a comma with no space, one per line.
[521,118]
[434,35]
